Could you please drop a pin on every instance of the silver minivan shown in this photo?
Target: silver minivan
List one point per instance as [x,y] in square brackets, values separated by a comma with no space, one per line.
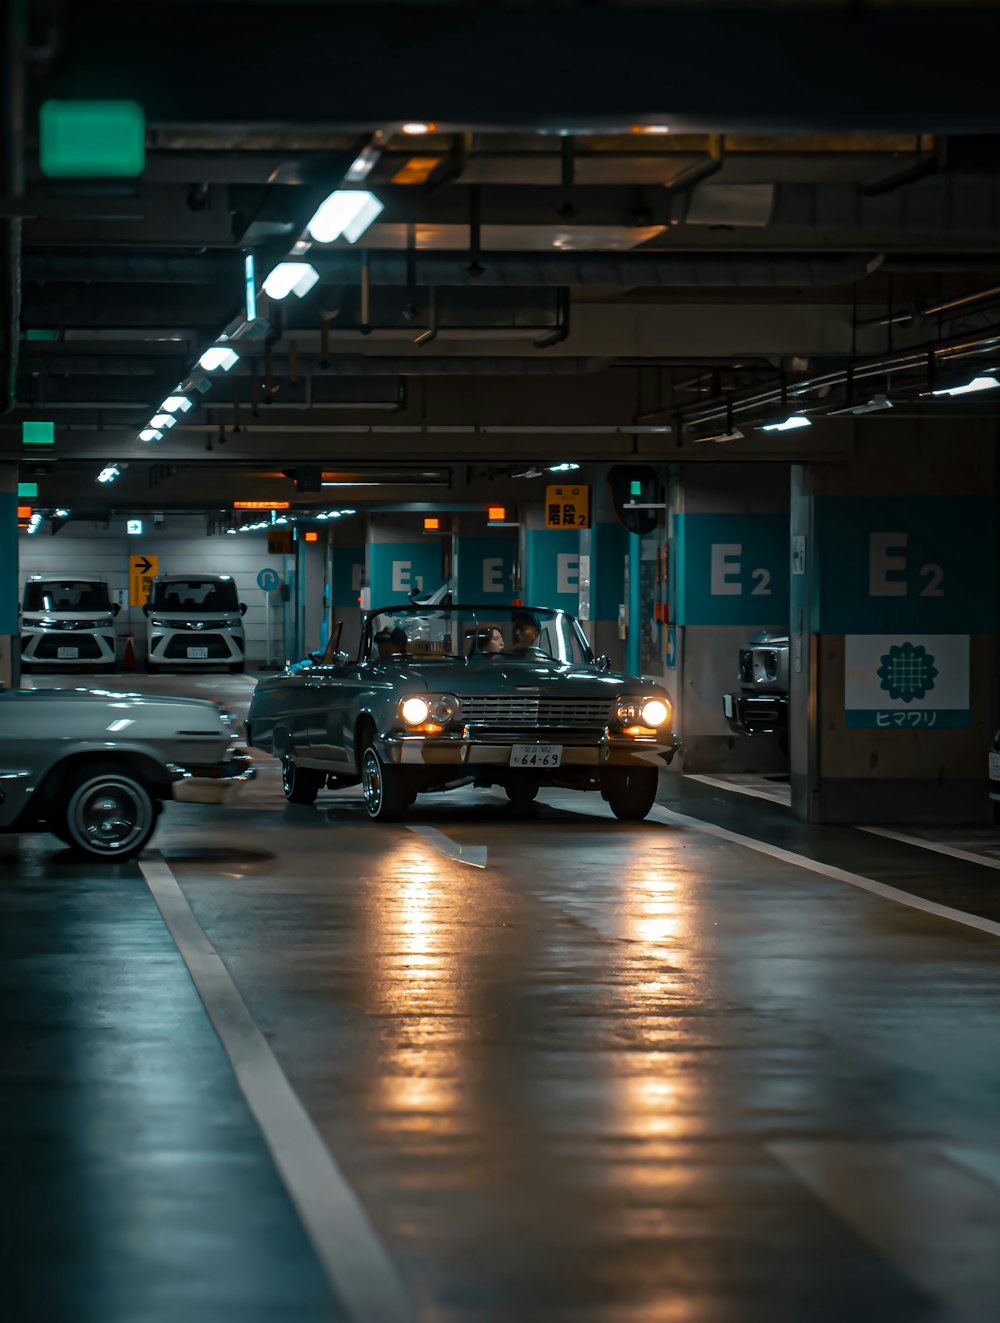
[195,620]
[67,623]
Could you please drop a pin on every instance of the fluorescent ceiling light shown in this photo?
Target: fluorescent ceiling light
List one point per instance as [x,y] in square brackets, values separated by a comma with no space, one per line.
[60,514]
[651,128]
[176,404]
[347,212]
[970,387]
[416,127]
[290,278]
[150,434]
[250,287]
[563,468]
[109,473]
[789,424]
[876,403]
[162,420]
[219,356]
[363,165]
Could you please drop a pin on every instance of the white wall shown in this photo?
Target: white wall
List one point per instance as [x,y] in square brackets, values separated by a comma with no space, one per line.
[183,548]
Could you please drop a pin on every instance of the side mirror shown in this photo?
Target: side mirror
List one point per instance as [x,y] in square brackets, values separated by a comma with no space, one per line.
[145,609]
[243,608]
[115,608]
[603,662]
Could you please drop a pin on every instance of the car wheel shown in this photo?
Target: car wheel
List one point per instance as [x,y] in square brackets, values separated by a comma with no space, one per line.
[387,796]
[630,791]
[237,668]
[105,813]
[521,795]
[300,784]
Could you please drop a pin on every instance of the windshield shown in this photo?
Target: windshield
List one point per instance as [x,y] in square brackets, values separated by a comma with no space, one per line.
[195,595]
[480,633]
[66,595]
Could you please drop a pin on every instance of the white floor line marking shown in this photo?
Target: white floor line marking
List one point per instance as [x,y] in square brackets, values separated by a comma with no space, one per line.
[356,1263]
[473,855]
[784,801]
[983,1162]
[939,847]
[671,818]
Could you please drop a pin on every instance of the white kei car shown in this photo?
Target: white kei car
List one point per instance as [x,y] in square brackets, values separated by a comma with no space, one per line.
[195,620]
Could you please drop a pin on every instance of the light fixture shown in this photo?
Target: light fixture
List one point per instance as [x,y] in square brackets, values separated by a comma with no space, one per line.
[150,434]
[34,523]
[416,127]
[109,473]
[60,514]
[176,404]
[347,212]
[873,405]
[218,356]
[290,278]
[720,437]
[250,287]
[363,164]
[970,387]
[789,424]
[162,420]
[651,128]
[563,468]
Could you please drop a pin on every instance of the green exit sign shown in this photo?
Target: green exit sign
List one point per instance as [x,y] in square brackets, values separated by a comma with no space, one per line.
[38,434]
[635,487]
[91,139]
[27,490]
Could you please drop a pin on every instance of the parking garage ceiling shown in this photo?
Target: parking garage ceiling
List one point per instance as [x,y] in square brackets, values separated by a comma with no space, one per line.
[547,279]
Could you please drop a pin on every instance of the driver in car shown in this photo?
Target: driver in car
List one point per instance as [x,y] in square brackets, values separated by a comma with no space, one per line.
[524,633]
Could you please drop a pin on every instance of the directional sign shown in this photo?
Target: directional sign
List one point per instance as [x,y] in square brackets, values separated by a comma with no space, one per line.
[567,505]
[268,579]
[142,570]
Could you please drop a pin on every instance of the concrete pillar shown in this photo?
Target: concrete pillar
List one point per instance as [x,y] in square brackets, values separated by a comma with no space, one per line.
[345,573]
[550,563]
[485,560]
[10,642]
[728,578]
[894,623]
[603,552]
[401,558]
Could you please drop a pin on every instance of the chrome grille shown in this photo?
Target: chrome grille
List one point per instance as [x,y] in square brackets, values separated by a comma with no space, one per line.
[530,711]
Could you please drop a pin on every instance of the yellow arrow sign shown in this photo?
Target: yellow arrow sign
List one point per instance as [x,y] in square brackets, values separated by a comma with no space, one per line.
[142,570]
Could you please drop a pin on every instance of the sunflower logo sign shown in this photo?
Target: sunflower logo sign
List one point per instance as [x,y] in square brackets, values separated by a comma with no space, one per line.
[906,683]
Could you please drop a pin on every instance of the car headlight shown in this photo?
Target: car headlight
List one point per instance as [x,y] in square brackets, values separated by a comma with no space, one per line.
[160,624]
[650,713]
[231,622]
[770,660]
[429,710]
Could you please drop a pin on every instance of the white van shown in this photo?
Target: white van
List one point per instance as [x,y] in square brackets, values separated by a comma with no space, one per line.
[67,623]
[195,620]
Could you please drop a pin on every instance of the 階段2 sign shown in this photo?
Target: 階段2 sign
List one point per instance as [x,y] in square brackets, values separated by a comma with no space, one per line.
[906,681]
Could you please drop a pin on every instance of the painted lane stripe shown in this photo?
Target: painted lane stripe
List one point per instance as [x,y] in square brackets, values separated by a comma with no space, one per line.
[473,855]
[356,1263]
[671,818]
[933,1219]
[939,847]
[784,801]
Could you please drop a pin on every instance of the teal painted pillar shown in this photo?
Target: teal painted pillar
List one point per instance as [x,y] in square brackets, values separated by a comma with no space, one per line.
[894,629]
[632,662]
[10,643]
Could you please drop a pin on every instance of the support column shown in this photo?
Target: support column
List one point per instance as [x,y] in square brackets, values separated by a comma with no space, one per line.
[894,625]
[10,640]
[603,549]
[729,578]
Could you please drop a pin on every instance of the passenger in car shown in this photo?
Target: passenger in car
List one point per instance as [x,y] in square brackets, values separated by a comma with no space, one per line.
[489,641]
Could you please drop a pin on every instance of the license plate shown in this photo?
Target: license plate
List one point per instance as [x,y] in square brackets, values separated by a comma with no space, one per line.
[995,766]
[536,755]
[727,704]
[197,654]
[67,654]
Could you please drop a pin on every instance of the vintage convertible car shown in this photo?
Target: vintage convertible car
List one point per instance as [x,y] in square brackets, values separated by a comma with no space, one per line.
[443,696]
[94,767]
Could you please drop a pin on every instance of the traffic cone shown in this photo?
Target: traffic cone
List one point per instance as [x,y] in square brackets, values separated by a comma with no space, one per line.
[128,659]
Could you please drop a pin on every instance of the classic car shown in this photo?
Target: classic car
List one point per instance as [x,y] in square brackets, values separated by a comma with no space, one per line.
[94,767]
[444,696]
[760,706]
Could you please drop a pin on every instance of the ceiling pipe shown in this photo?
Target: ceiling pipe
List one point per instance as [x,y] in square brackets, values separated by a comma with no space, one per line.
[668,270]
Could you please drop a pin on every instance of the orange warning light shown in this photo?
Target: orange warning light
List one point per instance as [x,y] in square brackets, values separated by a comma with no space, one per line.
[496,512]
[312,537]
[24,512]
[432,524]
[262,505]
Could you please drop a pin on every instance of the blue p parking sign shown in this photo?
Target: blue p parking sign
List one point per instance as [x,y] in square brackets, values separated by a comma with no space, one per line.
[268,579]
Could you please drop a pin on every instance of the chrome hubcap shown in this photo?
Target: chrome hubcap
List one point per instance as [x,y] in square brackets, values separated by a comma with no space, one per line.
[371,783]
[110,817]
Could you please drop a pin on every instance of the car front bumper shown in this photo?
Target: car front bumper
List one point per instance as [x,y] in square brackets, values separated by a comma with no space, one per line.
[213,785]
[756,714]
[90,647]
[460,750]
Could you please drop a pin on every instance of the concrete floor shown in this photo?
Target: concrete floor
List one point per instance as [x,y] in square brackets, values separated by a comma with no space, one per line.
[622,1074]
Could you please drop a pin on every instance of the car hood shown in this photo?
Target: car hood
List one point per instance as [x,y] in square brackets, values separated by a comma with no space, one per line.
[104,696]
[509,676]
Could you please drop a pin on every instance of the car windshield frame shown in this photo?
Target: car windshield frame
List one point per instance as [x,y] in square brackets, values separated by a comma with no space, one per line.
[166,588]
[96,598]
[461,635]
